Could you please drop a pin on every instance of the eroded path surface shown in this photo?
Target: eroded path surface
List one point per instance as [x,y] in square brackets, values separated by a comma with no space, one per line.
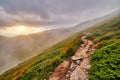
[76,67]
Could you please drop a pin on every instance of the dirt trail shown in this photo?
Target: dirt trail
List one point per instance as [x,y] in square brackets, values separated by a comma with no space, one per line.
[75,68]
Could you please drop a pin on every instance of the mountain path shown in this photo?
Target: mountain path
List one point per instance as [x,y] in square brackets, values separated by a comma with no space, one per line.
[76,68]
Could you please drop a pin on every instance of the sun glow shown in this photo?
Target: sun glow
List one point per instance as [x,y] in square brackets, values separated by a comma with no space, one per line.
[20,30]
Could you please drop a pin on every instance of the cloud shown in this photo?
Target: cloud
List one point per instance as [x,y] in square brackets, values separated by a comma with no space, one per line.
[53,12]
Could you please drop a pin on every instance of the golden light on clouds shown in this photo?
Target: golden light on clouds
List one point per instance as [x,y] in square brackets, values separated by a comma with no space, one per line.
[20,30]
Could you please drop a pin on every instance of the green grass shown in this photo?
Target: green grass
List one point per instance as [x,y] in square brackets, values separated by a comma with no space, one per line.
[105,62]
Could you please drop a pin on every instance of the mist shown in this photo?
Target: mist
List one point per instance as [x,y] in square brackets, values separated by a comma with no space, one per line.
[14,50]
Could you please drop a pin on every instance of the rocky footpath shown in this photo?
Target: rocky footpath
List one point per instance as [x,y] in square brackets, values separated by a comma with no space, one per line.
[76,68]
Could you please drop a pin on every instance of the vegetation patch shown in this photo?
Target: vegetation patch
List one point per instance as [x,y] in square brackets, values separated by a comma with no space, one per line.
[105,62]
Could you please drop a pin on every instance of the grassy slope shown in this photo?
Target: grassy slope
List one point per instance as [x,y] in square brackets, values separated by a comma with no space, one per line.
[106,59]
[41,66]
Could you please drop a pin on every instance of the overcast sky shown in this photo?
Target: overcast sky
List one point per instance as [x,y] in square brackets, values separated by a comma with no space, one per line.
[53,13]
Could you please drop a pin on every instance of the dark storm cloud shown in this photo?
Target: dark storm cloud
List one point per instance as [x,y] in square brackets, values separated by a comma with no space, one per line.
[53,12]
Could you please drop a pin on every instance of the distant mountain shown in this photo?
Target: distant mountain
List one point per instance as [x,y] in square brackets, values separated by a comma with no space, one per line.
[95,21]
[17,49]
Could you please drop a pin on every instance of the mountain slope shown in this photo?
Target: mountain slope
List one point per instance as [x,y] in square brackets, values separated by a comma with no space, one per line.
[54,56]
[105,60]
[20,48]
[93,22]
[41,66]
[17,49]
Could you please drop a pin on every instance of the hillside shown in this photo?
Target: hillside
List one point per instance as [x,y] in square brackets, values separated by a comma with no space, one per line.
[18,49]
[105,60]
[104,63]
[14,50]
